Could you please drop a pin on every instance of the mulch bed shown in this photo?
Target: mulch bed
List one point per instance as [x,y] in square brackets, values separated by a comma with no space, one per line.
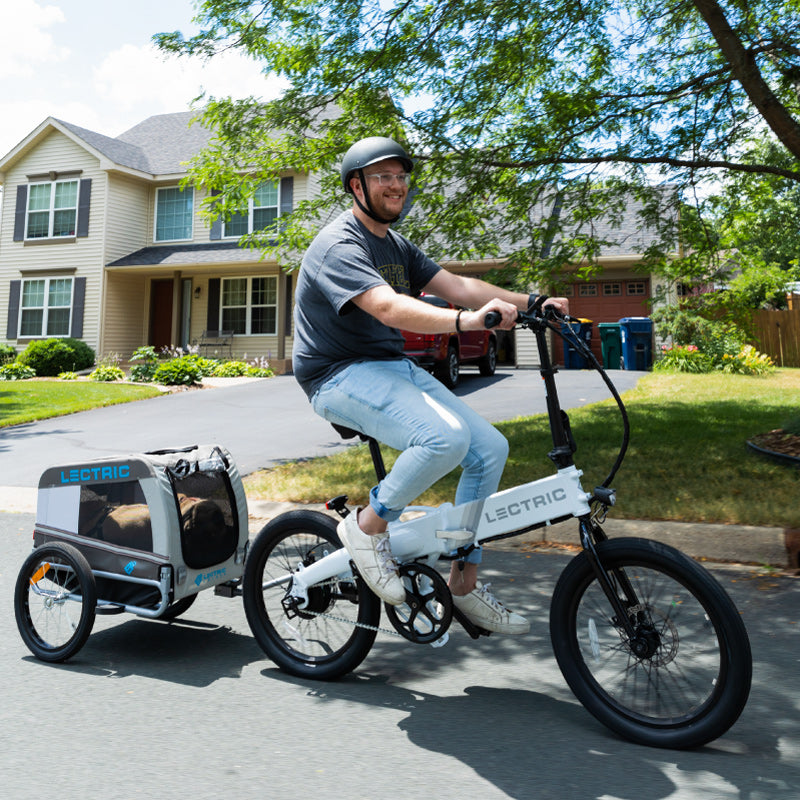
[778,443]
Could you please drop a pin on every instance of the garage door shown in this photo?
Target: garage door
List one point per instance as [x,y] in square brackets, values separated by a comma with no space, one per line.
[608,301]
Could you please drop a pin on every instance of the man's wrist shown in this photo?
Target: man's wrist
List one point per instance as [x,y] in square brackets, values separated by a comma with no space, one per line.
[458,320]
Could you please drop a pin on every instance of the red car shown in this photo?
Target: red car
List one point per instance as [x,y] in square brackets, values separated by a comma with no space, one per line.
[444,353]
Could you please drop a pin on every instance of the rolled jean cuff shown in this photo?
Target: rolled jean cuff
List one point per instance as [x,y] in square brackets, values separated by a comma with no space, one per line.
[474,556]
[389,514]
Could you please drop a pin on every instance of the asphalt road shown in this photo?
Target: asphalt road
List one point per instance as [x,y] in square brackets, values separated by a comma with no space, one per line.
[193,708]
[261,423]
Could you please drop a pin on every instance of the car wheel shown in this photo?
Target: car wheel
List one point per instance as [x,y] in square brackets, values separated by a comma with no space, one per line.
[447,371]
[488,363]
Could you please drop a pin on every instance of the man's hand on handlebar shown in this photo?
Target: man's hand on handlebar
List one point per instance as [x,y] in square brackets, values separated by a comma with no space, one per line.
[558,304]
[476,320]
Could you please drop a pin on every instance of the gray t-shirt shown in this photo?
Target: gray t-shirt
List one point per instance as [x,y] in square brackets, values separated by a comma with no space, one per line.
[344,261]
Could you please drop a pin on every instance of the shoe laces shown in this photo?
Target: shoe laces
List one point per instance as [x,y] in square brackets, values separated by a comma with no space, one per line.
[491,599]
[385,557]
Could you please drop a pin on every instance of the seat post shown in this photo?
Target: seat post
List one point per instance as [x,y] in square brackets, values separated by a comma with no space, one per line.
[377,458]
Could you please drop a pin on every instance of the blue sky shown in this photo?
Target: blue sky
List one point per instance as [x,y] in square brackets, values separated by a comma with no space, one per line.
[91,62]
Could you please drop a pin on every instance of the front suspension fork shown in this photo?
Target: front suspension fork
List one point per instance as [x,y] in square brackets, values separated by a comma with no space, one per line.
[591,533]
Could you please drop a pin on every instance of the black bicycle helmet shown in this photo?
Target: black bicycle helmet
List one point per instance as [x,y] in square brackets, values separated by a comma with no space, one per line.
[370,151]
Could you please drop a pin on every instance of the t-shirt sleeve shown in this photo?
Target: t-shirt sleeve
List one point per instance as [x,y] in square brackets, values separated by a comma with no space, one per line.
[344,273]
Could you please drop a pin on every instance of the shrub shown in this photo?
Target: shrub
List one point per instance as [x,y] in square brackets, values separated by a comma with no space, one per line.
[144,372]
[184,370]
[748,361]
[107,373]
[16,372]
[714,338]
[237,369]
[84,355]
[230,369]
[260,372]
[7,353]
[68,376]
[683,358]
[48,357]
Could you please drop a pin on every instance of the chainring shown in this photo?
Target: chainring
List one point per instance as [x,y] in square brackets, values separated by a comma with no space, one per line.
[427,612]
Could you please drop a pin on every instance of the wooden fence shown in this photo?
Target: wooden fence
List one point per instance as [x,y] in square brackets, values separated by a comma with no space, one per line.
[777,333]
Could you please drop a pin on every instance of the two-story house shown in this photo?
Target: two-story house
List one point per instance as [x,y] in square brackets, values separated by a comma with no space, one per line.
[100,242]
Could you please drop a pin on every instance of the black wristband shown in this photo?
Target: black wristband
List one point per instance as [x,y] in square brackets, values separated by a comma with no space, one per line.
[458,320]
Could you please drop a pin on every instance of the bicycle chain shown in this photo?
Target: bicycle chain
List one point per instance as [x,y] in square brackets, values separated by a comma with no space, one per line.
[354,623]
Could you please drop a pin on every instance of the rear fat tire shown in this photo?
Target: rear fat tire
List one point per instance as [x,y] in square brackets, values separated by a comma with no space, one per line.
[694,684]
[307,645]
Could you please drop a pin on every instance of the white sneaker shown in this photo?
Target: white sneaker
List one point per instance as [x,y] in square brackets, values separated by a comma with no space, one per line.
[373,559]
[483,609]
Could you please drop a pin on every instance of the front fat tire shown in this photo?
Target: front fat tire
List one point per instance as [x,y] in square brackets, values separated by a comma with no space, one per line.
[324,644]
[55,601]
[688,692]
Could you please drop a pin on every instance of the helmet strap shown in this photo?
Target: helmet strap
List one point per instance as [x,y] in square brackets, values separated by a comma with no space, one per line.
[368,209]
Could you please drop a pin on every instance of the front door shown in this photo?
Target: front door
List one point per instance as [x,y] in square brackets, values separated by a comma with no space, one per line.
[161,313]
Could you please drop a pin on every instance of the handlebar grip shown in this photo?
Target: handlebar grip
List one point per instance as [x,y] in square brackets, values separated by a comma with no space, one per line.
[492,319]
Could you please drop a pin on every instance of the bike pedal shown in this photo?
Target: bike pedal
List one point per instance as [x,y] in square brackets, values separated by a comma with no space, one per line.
[473,630]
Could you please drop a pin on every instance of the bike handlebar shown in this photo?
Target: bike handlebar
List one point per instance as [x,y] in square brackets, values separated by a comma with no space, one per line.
[535,312]
[539,317]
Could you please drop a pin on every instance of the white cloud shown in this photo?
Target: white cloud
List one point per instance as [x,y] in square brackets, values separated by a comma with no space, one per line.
[138,76]
[26,43]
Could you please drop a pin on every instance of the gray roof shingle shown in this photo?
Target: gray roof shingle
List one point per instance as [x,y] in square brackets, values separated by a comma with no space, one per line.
[187,254]
[159,145]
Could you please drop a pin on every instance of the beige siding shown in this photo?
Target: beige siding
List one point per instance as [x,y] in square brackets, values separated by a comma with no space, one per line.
[81,257]
[126,306]
[127,216]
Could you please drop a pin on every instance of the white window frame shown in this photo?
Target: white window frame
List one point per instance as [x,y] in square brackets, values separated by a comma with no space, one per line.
[51,210]
[251,209]
[248,305]
[46,308]
[189,192]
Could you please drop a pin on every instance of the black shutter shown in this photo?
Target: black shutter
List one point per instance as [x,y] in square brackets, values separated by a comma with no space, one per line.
[287,195]
[13,309]
[19,213]
[84,197]
[216,225]
[288,308]
[78,303]
[212,319]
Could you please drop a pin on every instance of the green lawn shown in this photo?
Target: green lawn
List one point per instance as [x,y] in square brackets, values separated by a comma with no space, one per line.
[688,459]
[27,401]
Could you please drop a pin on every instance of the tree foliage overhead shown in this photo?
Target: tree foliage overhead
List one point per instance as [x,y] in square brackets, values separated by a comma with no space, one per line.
[506,102]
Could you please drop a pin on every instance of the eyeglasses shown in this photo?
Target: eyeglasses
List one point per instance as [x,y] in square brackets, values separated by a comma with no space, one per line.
[388,178]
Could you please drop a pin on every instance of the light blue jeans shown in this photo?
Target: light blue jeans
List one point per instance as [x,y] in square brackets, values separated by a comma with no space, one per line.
[403,406]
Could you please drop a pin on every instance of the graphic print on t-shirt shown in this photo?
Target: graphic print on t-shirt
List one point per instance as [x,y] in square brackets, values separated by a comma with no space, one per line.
[396,276]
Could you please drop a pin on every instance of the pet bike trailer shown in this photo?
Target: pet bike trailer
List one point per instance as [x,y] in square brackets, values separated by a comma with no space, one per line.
[142,533]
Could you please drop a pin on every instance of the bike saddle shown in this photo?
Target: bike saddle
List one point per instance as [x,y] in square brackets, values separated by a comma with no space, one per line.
[349,433]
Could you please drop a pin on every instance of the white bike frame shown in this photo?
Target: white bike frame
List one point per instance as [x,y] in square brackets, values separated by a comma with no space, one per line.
[441,531]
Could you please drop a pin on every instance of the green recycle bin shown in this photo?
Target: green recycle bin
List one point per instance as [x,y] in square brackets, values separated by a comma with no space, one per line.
[611,344]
